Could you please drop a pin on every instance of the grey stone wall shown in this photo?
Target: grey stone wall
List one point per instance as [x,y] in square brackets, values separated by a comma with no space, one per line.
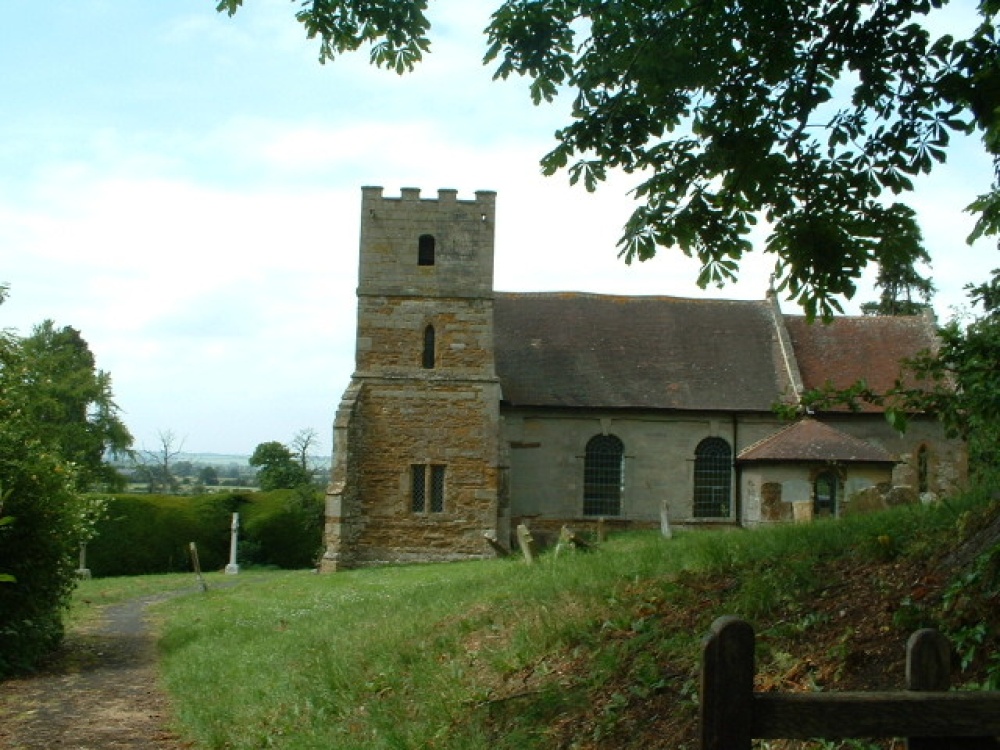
[547,456]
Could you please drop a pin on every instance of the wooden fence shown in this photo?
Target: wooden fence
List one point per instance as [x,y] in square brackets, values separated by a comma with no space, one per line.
[926,713]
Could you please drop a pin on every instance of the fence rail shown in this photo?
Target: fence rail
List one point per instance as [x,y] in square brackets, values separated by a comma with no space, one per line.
[926,713]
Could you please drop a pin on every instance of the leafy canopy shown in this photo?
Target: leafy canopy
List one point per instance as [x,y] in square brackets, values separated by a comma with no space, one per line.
[72,404]
[812,115]
[277,467]
[904,291]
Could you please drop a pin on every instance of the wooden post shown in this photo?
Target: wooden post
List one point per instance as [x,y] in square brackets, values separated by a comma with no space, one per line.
[197,567]
[527,543]
[727,675]
[928,669]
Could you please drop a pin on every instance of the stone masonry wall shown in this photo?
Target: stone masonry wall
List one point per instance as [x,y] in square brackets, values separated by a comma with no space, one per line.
[409,424]
[408,414]
[391,329]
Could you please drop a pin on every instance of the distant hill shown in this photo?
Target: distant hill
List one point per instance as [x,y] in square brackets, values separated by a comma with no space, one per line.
[225,459]
[213,459]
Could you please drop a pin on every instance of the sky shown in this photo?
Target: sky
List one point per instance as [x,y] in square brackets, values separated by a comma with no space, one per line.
[184,188]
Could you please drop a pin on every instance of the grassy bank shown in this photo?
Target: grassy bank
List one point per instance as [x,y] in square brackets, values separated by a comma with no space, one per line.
[594,649]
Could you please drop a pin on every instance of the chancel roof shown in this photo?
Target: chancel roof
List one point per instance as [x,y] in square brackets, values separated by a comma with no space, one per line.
[849,349]
[604,351]
[810,440]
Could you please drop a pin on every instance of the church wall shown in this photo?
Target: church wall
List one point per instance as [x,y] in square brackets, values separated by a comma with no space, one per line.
[547,451]
[411,424]
[947,459]
[390,331]
[343,520]
[779,493]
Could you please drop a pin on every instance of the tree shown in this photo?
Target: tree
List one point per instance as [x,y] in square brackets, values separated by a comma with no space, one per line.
[277,467]
[72,404]
[904,290]
[42,470]
[964,374]
[811,115]
[208,476]
[303,441]
[155,465]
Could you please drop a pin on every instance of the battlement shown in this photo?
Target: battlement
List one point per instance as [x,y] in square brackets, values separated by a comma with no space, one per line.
[431,247]
[372,194]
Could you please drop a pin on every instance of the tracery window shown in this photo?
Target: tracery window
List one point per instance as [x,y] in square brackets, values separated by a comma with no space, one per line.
[603,476]
[713,478]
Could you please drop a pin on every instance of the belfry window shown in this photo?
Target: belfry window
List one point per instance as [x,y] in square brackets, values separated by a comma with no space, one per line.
[602,476]
[428,359]
[713,469]
[425,250]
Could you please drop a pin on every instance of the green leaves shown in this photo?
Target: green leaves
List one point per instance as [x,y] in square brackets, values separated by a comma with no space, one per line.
[277,468]
[229,6]
[754,93]
[396,29]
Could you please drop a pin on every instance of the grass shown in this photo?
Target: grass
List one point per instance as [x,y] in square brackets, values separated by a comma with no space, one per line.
[495,653]
[92,595]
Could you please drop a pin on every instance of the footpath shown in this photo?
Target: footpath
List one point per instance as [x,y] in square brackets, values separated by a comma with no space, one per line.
[98,691]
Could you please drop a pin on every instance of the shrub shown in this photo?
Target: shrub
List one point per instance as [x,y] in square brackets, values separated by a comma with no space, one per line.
[37,549]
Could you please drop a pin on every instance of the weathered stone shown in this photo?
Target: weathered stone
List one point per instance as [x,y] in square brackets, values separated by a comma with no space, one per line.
[771,506]
[424,398]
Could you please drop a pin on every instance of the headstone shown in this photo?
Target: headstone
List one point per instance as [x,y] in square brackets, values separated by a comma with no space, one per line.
[232,568]
[527,543]
[495,545]
[83,572]
[665,523]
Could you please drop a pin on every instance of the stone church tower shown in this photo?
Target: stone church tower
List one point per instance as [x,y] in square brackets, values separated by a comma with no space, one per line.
[417,463]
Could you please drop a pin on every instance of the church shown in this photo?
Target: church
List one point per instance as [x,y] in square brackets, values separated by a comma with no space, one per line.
[471,410]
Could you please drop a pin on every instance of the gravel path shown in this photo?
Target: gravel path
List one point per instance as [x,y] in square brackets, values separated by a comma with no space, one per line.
[99,691]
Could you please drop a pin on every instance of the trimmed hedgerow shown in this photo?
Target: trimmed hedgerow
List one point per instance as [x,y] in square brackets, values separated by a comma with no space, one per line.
[144,534]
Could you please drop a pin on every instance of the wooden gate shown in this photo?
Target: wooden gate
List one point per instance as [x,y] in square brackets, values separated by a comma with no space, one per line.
[926,713]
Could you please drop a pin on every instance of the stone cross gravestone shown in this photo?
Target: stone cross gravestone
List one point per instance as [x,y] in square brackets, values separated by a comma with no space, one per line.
[232,568]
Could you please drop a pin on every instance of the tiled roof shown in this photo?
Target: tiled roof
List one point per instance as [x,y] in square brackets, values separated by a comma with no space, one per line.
[809,440]
[849,349]
[587,350]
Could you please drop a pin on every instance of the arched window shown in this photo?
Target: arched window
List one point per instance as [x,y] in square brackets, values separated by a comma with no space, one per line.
[602,476]
[923,469]
[825,494]
[713,472]
[428,355]
[425,250]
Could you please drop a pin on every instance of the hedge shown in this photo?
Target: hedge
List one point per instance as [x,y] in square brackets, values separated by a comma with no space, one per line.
[145,534]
